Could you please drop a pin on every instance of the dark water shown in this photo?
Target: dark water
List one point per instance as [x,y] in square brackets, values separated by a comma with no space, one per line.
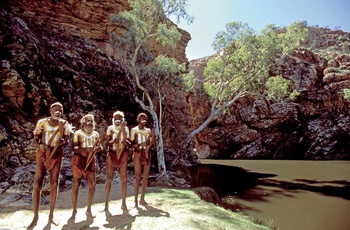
[295,195]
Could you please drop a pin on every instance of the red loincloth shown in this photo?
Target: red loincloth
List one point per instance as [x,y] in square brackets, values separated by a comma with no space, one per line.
[117,163]
[141,153]
[78,166]
[50,163]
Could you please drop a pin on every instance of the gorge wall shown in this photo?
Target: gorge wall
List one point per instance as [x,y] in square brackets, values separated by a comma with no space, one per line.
[314,126]
[60,51]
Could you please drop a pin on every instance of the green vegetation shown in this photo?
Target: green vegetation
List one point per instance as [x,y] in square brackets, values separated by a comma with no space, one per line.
[322,44]
[336,70]
[277,88]
[294,95]
[242,63]
[346,47]
[147,21]
[168,209]
[183,209]
[346,93]
[188,80]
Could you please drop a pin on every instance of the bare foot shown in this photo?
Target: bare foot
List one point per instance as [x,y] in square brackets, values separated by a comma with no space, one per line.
[34,223]
[144,203]
[53,221]
[89,214]
[124,207]
[72,218]
[106,208]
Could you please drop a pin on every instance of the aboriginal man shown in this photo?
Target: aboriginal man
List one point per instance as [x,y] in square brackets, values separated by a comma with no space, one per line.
[86,142]
[50,137]
[117,139]
[141,139]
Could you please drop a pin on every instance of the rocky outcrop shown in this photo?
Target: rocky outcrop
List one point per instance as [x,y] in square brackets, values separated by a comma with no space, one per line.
[314,126]
[60,51]
[89,20]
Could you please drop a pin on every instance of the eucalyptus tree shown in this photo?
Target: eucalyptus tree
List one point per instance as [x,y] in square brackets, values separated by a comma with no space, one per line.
[242,63]
[146,22]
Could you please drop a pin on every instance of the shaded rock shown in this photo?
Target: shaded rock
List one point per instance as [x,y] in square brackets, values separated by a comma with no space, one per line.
[207,194]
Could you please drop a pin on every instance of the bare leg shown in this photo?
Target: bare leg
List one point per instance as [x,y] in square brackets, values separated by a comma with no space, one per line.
[91,178]
[124,180]
[110,175]
[145,175]
[54,181]
[137,166]
[75,190]
[38,184]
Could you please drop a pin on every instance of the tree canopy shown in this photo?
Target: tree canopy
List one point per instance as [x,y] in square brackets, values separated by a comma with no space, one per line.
[244,58]
[147,20]
[242,63]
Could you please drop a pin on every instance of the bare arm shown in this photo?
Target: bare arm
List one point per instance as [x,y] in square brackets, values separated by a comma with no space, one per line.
[36,143]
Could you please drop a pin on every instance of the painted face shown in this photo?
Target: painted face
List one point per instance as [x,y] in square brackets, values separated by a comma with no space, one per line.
[56,112]
[142,120]
[89,121]
[89,124]
[118,120]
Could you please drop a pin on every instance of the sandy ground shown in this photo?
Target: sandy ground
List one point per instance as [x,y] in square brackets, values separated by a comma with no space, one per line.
[18,214]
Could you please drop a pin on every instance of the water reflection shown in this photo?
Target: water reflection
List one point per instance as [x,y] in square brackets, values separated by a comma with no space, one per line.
[294,194]
[336,188]
[225,180]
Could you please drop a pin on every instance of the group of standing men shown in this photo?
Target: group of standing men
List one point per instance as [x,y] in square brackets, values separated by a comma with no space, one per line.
[51,136]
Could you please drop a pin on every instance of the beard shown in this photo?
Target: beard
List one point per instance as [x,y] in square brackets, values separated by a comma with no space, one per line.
[89,128]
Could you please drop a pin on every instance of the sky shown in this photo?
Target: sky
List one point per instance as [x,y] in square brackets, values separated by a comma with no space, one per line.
[210,17]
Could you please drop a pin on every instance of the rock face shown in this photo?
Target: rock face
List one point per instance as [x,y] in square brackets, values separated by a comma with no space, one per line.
[89,20]
[60,51]
[314,126]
